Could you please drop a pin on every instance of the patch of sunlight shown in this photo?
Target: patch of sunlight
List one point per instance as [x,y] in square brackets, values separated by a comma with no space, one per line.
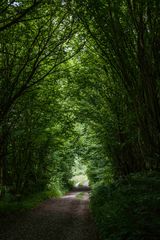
[79,169]
[69,196]
[83,196]
[80,180]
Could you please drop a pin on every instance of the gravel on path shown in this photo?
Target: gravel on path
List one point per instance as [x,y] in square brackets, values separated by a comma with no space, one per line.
[67,218]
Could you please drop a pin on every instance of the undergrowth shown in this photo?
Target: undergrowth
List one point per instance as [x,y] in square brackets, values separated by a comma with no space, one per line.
[128,209]
[22,203]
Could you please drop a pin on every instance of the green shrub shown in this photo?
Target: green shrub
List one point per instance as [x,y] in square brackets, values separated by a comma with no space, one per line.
[27,202]
[19,202]
[129,209]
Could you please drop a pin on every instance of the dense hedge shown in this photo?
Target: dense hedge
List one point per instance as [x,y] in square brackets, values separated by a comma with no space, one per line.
[128,209]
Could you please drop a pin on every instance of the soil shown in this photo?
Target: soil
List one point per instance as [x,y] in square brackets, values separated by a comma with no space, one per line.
[66,218]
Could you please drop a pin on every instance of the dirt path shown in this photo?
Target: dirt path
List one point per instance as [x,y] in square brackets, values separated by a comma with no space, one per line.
[67,218]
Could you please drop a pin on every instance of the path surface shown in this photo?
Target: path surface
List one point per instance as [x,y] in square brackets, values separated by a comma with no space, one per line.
[67,218]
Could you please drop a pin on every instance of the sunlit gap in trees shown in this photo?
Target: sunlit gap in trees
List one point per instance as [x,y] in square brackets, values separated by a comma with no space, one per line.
[79,178]
[15,3]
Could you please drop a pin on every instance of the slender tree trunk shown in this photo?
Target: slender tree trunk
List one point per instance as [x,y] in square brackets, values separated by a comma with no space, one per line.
[3,176]
[3,159]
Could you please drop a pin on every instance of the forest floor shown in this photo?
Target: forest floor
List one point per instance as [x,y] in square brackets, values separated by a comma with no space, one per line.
[66,218]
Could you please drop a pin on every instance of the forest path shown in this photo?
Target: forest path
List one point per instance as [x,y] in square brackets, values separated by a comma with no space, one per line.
[66,218]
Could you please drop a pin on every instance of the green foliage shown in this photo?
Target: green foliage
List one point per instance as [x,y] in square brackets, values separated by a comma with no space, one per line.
[124,35]
[80,87]
[37,147]
[23,203]
[128,209]
[34,42]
